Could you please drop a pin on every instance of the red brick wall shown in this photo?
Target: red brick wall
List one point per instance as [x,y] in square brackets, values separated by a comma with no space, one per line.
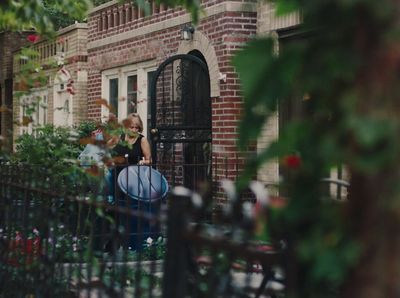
[227,32]
[9,42]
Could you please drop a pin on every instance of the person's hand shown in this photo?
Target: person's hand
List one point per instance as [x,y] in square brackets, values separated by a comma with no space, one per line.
[143,162]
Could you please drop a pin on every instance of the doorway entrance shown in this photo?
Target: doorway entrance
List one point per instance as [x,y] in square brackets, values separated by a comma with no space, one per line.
[181,120]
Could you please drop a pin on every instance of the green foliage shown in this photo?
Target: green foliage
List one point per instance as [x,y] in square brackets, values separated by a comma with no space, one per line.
[154,249]
[25,14]
[269,78]
[58,17]
[48,146]
[85,129]
[350,120]
[46,16]
[20,282]
[31,74]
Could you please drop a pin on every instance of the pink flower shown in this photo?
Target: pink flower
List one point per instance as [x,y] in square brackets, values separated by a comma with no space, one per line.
[292,161]
[33,38]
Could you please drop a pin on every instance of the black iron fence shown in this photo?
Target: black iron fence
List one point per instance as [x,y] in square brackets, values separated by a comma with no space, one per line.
[64,232]
[222,258]
[60,236]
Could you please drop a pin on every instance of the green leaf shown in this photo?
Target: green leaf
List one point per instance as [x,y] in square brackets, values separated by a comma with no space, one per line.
[285,7]
[266,78]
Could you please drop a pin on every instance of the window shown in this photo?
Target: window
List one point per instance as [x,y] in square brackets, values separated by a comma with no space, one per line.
[295,107]
[126,90]
[113,96]
[132,94]
[33,111]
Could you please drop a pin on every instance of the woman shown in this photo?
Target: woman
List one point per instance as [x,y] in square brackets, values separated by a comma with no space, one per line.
[132,147]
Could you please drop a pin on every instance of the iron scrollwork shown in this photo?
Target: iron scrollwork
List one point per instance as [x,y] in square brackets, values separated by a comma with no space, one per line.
[182,135]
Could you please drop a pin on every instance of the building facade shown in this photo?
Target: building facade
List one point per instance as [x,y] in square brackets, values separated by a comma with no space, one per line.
[124,45]
[62,100]
[268,24]
[9,43]
[110,63]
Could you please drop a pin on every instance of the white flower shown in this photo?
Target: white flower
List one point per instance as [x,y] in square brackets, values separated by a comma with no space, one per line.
[247,209]
[197,201]
[261,192]
[229,187]
[149,241]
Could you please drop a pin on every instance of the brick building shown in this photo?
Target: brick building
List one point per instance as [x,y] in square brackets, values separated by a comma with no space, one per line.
[270,25]
[123,41]
[9,42]
[63,101]
[125,45]
[123,49]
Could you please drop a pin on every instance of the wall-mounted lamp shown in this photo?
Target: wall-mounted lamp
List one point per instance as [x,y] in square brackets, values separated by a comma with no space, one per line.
[187,32]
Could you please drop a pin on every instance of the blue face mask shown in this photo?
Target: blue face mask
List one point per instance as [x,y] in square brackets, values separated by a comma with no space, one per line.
[99,137]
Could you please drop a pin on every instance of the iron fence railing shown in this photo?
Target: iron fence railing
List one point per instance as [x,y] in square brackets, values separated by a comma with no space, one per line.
[64,232]
[60,237]
[222,258]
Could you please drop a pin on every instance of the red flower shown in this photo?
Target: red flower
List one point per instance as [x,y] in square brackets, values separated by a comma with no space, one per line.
[33,38]
[292,161]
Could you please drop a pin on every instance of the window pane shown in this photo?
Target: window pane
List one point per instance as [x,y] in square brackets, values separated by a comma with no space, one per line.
[113,96]
[132,94]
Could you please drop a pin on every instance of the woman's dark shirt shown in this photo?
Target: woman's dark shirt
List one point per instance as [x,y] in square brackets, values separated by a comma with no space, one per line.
[134,152]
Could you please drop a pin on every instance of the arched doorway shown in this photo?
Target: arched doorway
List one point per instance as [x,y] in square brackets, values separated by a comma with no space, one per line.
[181,120]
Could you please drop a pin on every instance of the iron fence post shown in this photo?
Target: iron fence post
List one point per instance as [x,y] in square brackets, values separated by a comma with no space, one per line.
[175,268]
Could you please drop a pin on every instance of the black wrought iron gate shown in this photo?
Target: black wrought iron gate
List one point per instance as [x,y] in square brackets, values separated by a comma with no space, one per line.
[181,121]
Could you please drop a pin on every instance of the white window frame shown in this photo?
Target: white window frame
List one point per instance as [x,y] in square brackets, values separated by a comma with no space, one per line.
[124,87]
[122,73]
[39,117]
